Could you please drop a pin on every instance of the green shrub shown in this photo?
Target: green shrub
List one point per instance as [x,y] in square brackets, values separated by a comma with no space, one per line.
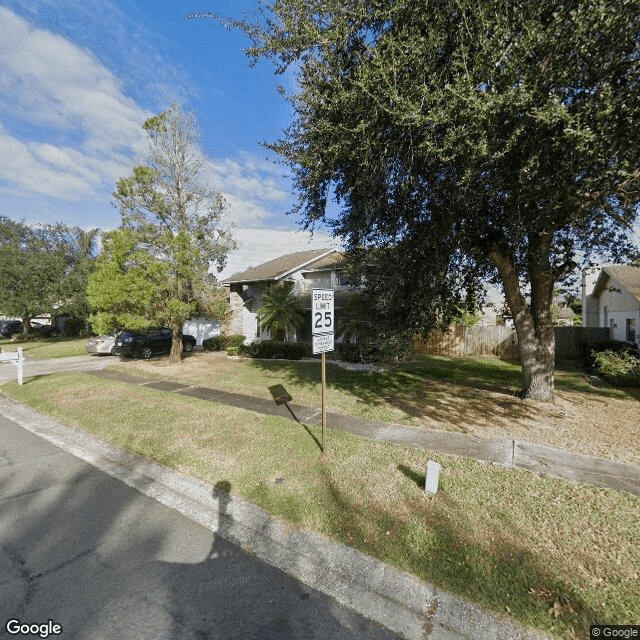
[362,353]
[271,349]
[212,344]
[621,368]
[589,349]
[222,342]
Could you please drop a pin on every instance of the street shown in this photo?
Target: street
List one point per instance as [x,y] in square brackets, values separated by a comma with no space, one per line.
[84,553]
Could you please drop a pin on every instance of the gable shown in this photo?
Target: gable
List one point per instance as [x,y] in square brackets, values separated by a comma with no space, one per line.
[626,276]
[285,265]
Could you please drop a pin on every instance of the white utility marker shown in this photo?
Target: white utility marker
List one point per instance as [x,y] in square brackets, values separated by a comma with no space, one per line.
[432,477]
[17,358]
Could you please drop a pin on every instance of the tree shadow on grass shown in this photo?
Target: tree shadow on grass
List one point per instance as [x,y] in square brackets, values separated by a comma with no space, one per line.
[412,391]
[505,577]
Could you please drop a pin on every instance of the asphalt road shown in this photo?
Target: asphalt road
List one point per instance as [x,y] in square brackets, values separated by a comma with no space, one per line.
[86,552]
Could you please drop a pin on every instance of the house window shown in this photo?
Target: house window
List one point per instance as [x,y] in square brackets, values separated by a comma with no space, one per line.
[318,279]
[631,330]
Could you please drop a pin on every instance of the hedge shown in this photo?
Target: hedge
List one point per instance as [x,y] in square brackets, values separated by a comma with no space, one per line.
[222,342]
[590,349]
[620,368]
[270,349]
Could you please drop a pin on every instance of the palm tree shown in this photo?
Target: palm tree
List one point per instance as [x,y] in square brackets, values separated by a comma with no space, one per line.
[280,311]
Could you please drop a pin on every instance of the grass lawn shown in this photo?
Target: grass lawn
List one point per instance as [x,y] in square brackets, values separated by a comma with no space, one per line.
[554,555]
[47,347]
[477,396]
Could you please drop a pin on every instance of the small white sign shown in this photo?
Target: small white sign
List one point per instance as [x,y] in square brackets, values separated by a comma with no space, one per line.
[322,317]
[322,343]
[432,477]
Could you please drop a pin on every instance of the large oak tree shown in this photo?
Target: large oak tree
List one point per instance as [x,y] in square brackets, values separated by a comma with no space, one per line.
[467,139]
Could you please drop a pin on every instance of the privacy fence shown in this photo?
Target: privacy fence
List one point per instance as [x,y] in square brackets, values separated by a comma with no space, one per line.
[501,341]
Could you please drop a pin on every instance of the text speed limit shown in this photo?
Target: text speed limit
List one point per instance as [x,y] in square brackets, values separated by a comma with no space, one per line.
[322,313]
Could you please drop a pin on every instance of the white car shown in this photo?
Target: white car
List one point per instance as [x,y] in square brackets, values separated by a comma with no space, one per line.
[101,345]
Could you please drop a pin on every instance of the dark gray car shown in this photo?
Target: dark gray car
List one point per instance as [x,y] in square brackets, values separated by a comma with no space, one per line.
[148,343]
[9,327]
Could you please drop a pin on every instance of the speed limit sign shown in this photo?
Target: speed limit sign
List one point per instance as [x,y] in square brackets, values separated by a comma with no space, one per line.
[322,326]
[322,316]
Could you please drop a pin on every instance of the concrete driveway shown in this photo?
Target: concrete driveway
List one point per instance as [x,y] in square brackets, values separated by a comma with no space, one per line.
[44,366]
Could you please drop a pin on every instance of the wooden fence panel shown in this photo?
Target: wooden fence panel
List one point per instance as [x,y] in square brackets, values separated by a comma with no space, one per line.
[501,341]
[493,340]
[443,343]
[570,339]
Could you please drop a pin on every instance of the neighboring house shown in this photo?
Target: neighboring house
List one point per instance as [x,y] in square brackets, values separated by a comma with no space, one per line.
[611,298]
[307,270]
[563,316]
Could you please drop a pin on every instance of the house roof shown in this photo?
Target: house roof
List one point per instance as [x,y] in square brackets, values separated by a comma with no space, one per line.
[285,265]
[626,275]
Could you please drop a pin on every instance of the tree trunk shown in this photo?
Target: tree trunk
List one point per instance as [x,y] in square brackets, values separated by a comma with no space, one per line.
[176,344]
[537,354]
[533,324]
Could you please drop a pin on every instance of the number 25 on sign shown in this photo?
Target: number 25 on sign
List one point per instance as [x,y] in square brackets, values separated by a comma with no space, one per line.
[322,301]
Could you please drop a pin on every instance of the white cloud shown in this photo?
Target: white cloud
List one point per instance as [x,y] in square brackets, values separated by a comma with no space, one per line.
[247,180]
[253,189]
[82,128]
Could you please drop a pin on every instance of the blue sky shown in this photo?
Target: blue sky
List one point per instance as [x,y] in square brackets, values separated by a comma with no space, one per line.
[78,79]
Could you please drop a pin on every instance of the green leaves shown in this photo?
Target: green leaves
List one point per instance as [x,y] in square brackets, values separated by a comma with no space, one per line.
[154,269]
[43,269]
[280,310]
[493,134]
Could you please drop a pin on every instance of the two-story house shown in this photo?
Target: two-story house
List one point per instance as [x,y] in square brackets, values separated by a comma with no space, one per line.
[307,270]
[611,298]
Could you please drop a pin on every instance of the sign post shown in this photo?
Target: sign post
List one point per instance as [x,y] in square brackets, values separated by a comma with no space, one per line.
[16,358]
[322,329]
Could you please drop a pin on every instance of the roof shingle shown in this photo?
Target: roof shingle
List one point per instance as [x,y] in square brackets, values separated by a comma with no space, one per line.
[282,266]
[626,275]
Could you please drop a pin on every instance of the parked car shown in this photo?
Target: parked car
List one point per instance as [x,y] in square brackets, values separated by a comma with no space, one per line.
[9,327]
[44,330]
[101,345]
[147,343]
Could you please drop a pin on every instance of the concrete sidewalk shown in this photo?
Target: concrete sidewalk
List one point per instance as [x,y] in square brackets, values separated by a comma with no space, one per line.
[410,608]
[508,453]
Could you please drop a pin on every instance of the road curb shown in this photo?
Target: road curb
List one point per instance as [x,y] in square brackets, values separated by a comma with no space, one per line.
[411,608]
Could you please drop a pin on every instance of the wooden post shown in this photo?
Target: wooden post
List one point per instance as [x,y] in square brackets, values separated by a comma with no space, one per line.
[324,408]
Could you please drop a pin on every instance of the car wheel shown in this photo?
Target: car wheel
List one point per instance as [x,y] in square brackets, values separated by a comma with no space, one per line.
[187,347]
[145,352]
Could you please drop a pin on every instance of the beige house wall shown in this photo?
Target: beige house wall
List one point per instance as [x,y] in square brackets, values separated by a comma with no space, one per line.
[616,306]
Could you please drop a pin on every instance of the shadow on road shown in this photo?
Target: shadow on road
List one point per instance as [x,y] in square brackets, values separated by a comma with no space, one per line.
[102,560]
